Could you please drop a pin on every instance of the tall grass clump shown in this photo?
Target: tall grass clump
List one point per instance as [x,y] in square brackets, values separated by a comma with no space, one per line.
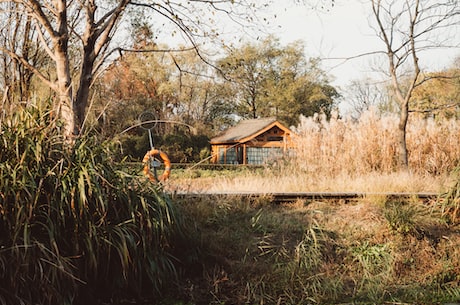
[374,266]
[340,154]
[306,271]
[74,226]
[369,144]
[405,218]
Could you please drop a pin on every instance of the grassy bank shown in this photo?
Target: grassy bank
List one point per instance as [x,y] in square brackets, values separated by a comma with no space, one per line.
[369,252]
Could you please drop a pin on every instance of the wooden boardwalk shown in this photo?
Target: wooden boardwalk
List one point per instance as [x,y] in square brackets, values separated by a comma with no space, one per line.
[292,197]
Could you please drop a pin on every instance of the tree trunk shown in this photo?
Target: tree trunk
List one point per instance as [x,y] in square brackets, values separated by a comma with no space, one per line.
[402,144]
[253,108]
[81,99]
[91,48]
[64,86]
[65,94]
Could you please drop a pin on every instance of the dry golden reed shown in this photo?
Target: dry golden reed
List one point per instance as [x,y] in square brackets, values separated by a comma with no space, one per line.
[339,146]
[341,155]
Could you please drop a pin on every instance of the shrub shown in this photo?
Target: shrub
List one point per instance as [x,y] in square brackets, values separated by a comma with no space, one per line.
[181,147]
[405,218]
[374,265]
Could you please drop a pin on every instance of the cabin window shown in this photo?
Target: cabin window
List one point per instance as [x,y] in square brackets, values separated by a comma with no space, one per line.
[231,156]
[221,154]
[261,155]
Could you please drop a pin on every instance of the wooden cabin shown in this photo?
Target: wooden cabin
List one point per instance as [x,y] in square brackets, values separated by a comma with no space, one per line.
[255,141]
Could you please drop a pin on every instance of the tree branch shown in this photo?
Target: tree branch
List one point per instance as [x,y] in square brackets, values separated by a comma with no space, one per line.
[40,75]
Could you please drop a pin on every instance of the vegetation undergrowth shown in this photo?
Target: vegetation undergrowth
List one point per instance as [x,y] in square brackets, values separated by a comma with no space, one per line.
[373,251]
[450,201]
[320,253]
[78,228]
[74,227]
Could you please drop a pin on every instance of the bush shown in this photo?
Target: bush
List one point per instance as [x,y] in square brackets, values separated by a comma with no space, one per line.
[180,147]
[405,218]
[374,267]
[73,223]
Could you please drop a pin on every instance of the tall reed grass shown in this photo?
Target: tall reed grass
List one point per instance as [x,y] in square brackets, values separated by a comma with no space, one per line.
[342,155]
[75,226]
[338,145]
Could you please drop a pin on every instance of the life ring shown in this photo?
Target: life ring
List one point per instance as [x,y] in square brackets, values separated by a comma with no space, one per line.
[164,157]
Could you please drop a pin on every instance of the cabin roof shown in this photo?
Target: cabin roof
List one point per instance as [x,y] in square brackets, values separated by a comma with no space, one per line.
[247,129]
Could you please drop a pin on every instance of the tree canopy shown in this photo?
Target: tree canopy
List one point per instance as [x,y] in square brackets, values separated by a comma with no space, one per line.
[65,44]
[440,96]
[267,79]
[180,87]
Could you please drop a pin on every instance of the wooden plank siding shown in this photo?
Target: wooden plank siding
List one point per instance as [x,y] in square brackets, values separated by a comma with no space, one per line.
[251,142]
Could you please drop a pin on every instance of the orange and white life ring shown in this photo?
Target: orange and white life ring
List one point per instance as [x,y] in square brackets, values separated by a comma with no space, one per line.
[155,153]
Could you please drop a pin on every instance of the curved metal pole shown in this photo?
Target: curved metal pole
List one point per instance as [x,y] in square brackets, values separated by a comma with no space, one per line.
[159,121]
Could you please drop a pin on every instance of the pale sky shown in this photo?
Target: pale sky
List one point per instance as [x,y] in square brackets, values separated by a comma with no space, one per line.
[341,32]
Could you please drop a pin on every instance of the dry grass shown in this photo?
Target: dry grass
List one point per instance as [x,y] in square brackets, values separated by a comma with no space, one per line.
[322,252]
[371,183]
[370,145]
[372,251]
[341,155]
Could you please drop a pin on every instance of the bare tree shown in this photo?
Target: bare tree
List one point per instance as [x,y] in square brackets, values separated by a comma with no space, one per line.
[78,37]
[366,94]
[408,28]
[17,34]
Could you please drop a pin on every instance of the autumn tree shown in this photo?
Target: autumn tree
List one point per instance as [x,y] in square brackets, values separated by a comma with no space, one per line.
[440,97]
[267,79]
[407,29]
[178,87]
[133,84]
[79,36]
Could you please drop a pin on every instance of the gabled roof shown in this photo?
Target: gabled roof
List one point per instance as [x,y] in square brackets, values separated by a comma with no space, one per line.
[246,130]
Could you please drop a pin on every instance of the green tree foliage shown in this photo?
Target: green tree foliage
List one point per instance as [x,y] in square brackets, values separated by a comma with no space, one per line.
[267,79]
[180,146]
[439,97]
[177,88]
